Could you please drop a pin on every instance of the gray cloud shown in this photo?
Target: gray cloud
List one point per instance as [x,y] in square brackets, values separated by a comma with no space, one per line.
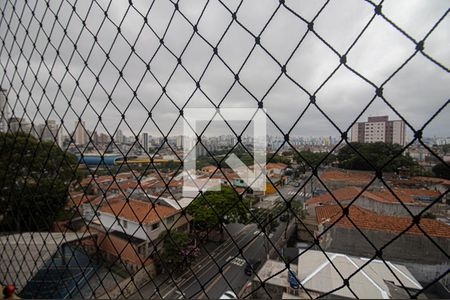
[417,91]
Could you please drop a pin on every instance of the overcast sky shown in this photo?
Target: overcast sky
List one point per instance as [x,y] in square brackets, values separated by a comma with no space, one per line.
[417,91]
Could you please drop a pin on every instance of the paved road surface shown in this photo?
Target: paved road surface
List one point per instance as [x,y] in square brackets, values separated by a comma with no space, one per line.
[253,245]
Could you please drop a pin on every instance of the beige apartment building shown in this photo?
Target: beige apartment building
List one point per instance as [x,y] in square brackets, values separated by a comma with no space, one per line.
[379,129]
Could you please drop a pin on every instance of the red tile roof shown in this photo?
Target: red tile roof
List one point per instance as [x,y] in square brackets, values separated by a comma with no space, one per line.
[364,218]
[276,166]
[111,198]
[209,169]
[420,192]
[139,211]
[342,194]
[387,196]
[175,183]
[432,179]
[78,199]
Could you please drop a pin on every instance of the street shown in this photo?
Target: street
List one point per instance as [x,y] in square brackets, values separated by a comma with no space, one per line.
[254,245]
[233,278]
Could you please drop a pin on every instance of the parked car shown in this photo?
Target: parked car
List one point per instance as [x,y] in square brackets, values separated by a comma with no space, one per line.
[251,267]
[293,280]
[228,295]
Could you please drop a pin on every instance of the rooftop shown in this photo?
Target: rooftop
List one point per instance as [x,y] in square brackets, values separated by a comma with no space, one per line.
[317,274]
[342,194]
[275,272]
[276,166]
[30,250]
[139,211]
[364,218]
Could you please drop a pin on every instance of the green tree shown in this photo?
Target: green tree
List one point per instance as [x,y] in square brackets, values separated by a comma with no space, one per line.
[307,158]
[178,251]
[278,159]
[429,215]
[441,170]
[217,208]
[378,154]
[34,181]
[297,209]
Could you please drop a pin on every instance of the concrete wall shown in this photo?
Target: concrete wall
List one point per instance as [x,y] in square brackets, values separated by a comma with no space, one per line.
[413,250]
[427,273]
[407,248]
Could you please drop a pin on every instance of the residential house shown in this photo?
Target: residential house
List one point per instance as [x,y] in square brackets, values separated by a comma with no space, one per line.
[129,230]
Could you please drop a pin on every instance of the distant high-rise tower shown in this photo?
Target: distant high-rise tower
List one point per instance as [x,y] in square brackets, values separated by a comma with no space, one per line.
[145,141]
[120,137]
[3,111]
[179,142]
[81,136]
[379,129]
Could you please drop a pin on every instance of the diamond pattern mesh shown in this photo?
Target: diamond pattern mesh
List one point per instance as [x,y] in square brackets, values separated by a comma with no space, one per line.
[82,215]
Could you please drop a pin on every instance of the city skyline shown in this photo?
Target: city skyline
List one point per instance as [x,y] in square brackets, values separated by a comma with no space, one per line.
[52,131]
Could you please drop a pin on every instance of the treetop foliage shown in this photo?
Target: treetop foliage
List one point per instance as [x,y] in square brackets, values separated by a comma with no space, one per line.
[378,154]
[34,181]
[216,208]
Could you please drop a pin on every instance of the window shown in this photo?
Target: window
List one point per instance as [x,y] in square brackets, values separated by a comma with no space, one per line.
[170,219]
[124,223]
[155,226]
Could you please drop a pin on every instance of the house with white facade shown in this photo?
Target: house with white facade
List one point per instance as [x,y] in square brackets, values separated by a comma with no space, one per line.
[129,231]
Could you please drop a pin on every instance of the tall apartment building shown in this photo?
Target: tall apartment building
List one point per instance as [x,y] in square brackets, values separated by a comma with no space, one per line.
[3,111]
[145,141]
[80,135]
[120,137]
[179,142]
[379,129]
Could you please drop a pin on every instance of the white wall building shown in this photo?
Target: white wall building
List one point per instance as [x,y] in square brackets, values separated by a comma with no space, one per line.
[139,219]
[81,136]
